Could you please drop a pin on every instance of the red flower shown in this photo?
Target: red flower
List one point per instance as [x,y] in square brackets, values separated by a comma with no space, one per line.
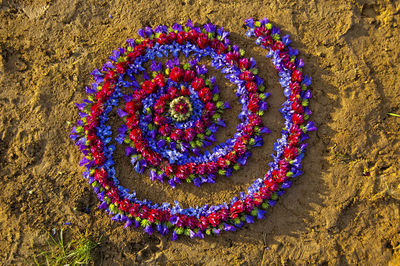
[185,91]
[177,134]
[294,139]
[210,108]
[236,209]
[171,37]
[110,76]
[202,40]
[203,223]
[251,87]
[244,63]
[295,87]
[100,174]
[249,204]
[278,46]
[121,67]
[192,36]
[265,193]
[159,107]
[290,65]
[189,134]
[201,169]
[232,57]
[205,95]
[162,39]
[160,120]
[199,126]
[253,103]
[172,91]
[99,158]
[148,86]
[176,74]
[297,119]
[165,130]
[134,210]
[198,83]
[290,152]
[132,121]
[182,107]
[247,76]
[159,80]
[222,162]
[189,76]
[297,76]
[285,57]
[297,107]
[181,37]
[267,41]
[271,185]
[214,219]
[182,172]
[260,31]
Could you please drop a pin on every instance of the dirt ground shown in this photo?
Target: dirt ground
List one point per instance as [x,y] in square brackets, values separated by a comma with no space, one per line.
[343,210]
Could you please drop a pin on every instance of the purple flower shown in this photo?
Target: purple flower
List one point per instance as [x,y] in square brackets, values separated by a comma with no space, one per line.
[90,90]
[286,184]
[249,22]
[121,113]
[177,27]
[264,21]
[80,106]
[191,233]
[103,205]
[228,227]
[200,234]
[84,161]
[171,183]
[201,70]
[153,175]
[73,137]
[260,214]
[148,31]
[129,150]
[293,52]
[249,219]
[148,229]
[174,236]
[275,30]
[310,126]
[189,24]
[131,42]
[128,223]
[286,40]
[216,231]
[210,27]
[156,66]
[161,29]
[142,33]
[197,182]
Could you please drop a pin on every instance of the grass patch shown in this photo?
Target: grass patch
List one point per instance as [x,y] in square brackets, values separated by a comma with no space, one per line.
[77,251]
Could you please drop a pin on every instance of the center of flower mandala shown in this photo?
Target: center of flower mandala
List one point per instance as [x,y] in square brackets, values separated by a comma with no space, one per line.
[176,111]
[180,108]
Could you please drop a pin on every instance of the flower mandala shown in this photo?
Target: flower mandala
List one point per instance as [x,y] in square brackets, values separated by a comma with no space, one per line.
[171,114]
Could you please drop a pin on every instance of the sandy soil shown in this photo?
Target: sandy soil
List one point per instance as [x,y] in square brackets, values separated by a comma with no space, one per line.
[343,210]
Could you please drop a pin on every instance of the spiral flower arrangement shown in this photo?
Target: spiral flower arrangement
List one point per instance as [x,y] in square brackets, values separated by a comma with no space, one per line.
[170,115]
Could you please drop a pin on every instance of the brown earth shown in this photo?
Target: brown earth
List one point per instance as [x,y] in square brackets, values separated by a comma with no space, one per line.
[343,210]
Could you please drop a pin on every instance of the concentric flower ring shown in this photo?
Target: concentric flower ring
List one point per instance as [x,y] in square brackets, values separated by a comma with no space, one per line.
[169,116]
